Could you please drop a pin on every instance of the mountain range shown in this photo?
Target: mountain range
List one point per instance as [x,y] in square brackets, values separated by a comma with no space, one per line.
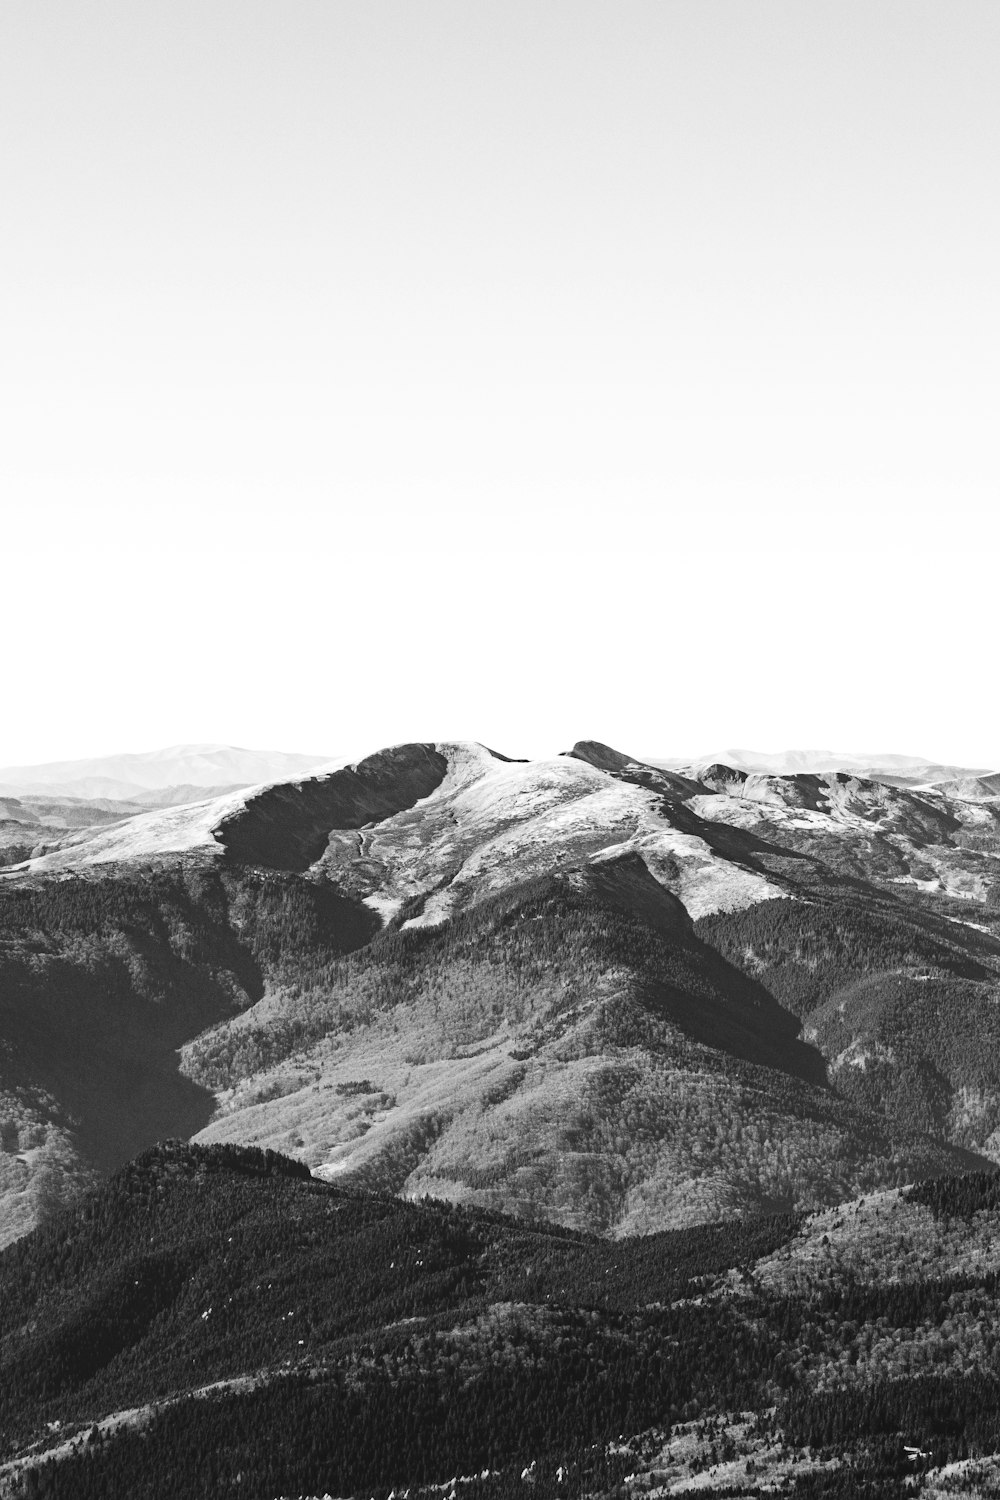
[901,770]
[345,1118]
[178,773]
[622,997]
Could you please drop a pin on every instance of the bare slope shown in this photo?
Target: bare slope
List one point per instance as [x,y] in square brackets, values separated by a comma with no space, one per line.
[491,824]
[29,825]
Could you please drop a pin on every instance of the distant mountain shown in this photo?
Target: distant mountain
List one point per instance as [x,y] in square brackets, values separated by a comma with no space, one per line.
[876,766]
[32,825]
[971,788]
[172,773]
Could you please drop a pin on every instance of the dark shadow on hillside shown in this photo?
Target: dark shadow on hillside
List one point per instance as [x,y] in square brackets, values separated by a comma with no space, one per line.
[109,1053]
[694,988]
[819,875]
[102,981]
[287,827]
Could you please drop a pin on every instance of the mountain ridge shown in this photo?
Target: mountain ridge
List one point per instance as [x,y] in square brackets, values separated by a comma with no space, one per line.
[876,765]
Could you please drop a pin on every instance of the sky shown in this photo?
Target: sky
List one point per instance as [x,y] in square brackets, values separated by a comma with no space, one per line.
[522,372]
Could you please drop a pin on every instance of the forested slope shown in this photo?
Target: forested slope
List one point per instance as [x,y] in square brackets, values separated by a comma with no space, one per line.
[212,1319]
[898,991]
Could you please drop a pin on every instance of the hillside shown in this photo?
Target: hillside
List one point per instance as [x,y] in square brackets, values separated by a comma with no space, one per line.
[585,988]
[45,807]
[213,1320]
[32,825]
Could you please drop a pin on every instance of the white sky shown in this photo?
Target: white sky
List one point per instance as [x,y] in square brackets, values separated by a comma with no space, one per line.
[517,371]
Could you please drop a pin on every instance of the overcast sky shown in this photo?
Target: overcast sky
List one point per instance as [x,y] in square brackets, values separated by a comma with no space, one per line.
[516,371]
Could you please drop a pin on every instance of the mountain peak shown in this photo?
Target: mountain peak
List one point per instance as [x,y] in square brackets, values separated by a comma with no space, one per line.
[602,757]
